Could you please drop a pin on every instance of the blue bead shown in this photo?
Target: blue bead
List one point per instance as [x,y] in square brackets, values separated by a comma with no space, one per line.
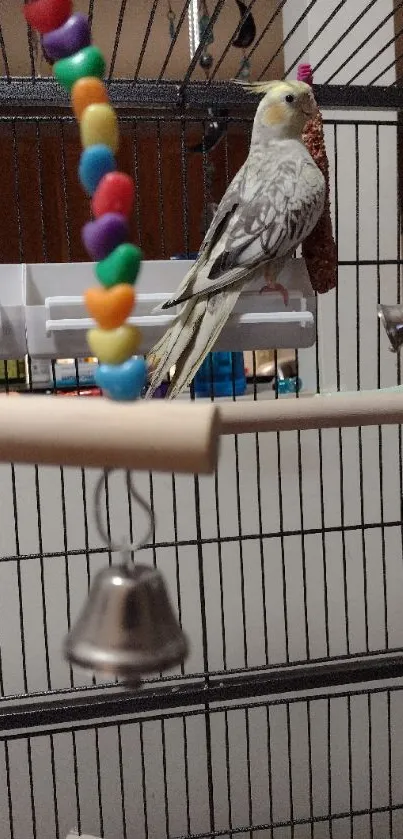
[95,162]
[122,382]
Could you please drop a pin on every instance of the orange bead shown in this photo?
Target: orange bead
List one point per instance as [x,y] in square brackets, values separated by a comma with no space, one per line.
[88,91]
[110,307]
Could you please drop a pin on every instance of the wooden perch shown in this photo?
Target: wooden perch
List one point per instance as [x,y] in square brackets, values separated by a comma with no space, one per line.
[168,436]
[160,436]
[370,407]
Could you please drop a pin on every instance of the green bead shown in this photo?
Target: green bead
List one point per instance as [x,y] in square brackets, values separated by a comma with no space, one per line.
[88,62]
[121,266]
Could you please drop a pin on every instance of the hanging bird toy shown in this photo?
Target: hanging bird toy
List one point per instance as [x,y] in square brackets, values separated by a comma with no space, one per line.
[79,67]
[206,60]
[127,626]
[246,34]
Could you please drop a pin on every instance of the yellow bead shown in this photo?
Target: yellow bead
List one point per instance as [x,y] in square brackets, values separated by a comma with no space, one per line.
[99,126]
[114,346]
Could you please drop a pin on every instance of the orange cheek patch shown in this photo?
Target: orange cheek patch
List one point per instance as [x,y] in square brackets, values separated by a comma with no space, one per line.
[275,114]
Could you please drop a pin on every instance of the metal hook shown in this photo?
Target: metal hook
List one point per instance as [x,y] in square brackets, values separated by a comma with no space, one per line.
[125,547]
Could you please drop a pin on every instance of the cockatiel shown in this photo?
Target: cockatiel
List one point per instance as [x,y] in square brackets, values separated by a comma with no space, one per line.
[270,207]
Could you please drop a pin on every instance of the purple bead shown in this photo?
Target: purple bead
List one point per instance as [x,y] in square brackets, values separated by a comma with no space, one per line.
[70,38]
[102,236]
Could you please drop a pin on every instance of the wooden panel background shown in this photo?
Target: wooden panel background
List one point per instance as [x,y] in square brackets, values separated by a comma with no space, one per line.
[44,205]
[124,51]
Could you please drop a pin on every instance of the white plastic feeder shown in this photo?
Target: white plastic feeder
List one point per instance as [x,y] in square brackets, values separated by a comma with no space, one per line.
[57,322]
[13,343]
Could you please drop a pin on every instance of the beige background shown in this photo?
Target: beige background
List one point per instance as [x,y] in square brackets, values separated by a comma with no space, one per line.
[135,22]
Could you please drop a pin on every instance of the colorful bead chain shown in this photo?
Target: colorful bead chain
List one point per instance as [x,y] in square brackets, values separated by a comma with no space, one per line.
[79,67]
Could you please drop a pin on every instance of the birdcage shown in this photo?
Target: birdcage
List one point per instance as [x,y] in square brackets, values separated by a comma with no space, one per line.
[285,565]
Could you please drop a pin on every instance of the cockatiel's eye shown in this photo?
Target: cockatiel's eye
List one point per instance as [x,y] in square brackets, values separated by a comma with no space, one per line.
[289,98]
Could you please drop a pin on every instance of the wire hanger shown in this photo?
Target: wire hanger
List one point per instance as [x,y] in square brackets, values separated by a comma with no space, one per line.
[125,547]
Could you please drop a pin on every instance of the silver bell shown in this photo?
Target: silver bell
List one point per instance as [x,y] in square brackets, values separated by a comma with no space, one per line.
[392,319]
[127,626]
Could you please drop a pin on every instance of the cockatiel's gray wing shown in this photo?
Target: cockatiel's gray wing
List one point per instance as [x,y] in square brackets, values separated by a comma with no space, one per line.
[225,209]
[270,207]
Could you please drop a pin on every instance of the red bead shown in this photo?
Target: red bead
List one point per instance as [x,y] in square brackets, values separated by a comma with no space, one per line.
[115,194]
[47,15]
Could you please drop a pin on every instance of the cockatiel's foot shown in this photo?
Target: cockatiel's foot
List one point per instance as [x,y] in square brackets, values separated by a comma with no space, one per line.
[272,286]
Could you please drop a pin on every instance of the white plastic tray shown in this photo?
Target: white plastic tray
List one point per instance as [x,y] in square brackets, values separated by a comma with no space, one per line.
[56,320]
[13,343]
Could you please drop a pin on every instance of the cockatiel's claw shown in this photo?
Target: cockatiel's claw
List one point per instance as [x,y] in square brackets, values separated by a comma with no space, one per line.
[276,287]
[273,286]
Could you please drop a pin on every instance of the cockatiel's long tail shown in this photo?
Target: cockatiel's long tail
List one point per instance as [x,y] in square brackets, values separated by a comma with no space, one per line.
[191,337]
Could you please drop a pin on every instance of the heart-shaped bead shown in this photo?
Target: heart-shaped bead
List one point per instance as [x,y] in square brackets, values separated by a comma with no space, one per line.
[68,39]
[113,346]
[123,382]
[121,266]
[88,91]
[47,15]
[95,163]
[115,194]
[110,308]
[99,124]
[88,62]
[102,236]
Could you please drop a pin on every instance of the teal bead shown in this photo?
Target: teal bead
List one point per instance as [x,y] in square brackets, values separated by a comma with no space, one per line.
[292,385]
[87,62]
[121,266]
[281,386]
[295,385]
[95,162]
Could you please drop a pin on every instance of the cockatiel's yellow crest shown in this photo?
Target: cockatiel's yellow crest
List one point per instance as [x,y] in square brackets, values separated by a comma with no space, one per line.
[277,88]
[273,203]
